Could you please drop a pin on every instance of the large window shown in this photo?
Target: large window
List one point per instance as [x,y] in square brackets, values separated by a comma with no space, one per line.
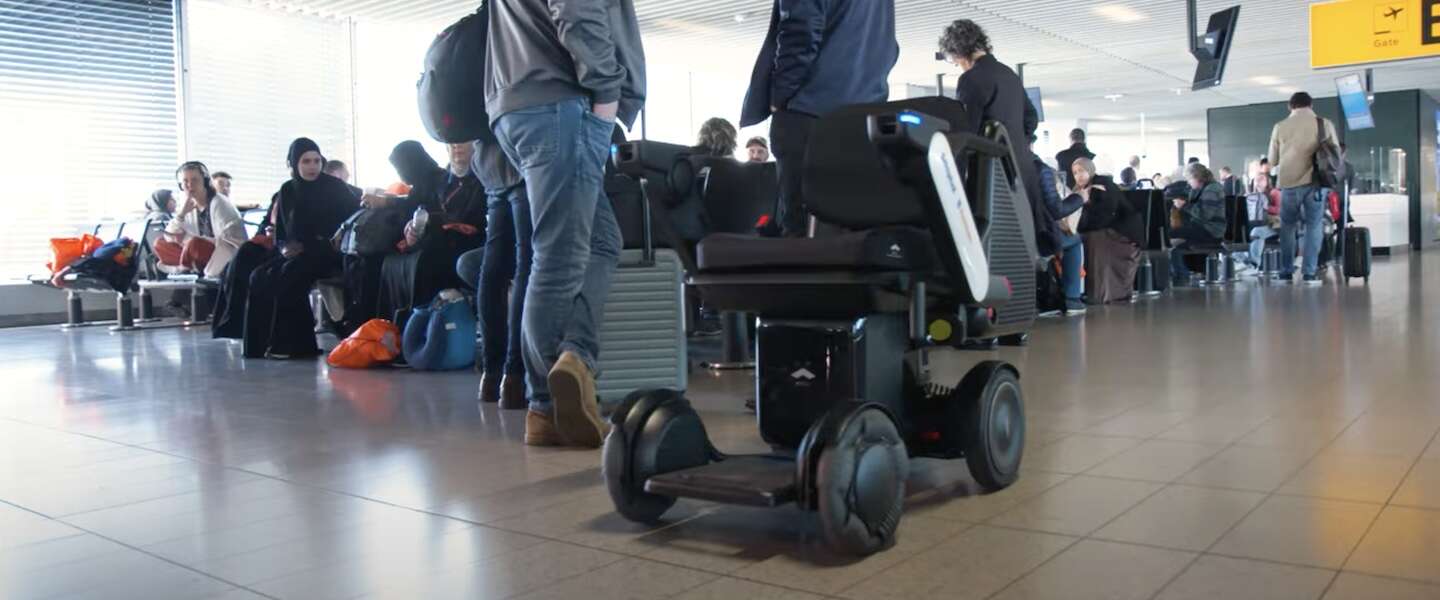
[87,117]
[257,79]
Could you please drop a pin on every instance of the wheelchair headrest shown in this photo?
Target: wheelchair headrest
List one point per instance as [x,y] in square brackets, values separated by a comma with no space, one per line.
[846,180]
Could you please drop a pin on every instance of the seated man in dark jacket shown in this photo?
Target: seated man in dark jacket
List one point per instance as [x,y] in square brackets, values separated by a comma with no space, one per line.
[817,57]
[1202,218]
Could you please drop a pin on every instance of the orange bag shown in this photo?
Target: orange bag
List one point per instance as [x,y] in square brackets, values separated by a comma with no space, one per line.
[66,250]
[376,342]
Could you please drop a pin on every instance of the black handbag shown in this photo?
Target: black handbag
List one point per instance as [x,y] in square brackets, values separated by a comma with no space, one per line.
[372,231]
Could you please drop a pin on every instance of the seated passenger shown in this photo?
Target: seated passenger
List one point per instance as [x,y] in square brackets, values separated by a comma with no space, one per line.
[1071,251]
[207,232]
[758,150]
[307,211]
[717,138]
[1263,208]
[420,177]
[227,321]
[160,207]
[455,223]
[503,264]
[1201,218]
[1112,230]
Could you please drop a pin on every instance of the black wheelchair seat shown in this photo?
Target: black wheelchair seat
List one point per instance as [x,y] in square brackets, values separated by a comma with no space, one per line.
[894,248]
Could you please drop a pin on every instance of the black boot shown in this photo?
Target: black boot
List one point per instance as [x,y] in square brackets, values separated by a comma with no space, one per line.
[512,392]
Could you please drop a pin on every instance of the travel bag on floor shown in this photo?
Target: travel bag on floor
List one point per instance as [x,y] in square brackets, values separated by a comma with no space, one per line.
[642,335]
[1357,253]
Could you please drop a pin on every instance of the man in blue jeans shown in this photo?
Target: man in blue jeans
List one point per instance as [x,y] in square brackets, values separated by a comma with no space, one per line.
[559,76]
[1293,143]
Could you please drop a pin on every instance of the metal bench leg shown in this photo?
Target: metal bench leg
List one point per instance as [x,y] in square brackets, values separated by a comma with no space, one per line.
[74,310]
[200,307]
[124,313]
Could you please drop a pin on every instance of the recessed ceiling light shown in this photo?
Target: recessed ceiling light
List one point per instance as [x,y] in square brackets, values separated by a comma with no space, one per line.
[1287,89]
[1178,91]
[1118,13]
[1114,97]
[1266,80]
[1165,129]
[739,17]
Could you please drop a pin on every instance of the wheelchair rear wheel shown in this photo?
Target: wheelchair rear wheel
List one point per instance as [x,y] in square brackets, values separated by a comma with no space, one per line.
[860,482]
[994,420]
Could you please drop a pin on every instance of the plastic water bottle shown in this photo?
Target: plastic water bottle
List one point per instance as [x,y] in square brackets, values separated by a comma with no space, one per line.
[419,220]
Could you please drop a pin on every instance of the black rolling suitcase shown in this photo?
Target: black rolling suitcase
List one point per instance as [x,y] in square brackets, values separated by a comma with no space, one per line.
[1357,253]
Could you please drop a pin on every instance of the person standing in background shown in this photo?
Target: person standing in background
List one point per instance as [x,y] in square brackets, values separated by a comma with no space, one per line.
[1065,158]
[1130,175]
[818,56]
[1293,143]
[758,150]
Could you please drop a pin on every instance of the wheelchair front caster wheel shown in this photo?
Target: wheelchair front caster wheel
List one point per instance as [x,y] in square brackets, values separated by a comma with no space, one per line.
[994,421]
[653,432]
[860,482]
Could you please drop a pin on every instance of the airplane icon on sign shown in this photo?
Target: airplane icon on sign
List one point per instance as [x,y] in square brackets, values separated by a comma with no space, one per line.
[1394,13]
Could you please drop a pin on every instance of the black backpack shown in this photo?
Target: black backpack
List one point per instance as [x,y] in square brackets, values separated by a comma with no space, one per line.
[451,90]
[372,231]
[1328,164]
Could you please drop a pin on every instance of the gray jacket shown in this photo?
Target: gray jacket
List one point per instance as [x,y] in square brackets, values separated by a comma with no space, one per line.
[545,51]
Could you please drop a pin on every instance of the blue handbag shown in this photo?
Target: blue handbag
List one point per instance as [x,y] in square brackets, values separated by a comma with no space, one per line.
[441,336]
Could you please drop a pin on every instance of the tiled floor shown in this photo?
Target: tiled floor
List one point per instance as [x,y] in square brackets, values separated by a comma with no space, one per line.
[1249,442]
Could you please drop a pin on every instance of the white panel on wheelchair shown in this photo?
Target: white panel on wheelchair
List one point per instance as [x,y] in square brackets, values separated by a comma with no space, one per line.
[958,216]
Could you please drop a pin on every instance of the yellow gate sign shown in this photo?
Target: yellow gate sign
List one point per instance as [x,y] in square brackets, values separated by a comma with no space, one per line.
[1354,32]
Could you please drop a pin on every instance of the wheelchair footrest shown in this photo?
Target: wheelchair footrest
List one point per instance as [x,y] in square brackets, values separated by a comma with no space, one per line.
[753,480]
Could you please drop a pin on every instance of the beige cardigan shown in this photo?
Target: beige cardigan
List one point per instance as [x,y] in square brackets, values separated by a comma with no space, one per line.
[229,232]
[1292,147]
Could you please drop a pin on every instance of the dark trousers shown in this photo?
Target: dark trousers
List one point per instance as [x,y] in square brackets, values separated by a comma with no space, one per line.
[277,316]
[228,319]
[1193,235]
[507,259]
[789,136]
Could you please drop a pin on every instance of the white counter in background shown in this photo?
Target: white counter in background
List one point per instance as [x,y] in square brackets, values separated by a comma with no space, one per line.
[1387,216]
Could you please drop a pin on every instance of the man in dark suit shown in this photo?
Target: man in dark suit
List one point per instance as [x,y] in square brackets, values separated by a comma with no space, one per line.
[1067,157]
[818,56]
[993,92]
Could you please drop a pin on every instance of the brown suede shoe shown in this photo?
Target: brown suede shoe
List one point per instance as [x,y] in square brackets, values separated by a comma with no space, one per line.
[490,384]
[572,390]
[512,392]
[540,430]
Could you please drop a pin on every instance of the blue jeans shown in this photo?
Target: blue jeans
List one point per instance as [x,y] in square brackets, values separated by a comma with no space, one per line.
[1298,203]
[1258,236]
[491,270]
[1072,262]
[561,149]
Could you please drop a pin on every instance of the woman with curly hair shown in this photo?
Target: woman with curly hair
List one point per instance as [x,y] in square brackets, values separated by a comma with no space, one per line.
[993,92]
[717,138]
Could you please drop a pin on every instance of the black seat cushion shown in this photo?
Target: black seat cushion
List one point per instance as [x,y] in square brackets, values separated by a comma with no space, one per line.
[896,248]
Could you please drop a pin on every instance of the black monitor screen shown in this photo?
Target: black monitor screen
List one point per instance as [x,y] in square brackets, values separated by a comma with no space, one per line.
[1215,48]
[1034,94]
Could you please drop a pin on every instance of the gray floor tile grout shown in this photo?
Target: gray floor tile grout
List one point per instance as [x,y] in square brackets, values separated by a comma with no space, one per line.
[1376,519]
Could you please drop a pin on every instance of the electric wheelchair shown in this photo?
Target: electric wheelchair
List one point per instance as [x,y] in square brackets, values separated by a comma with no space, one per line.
[938,251]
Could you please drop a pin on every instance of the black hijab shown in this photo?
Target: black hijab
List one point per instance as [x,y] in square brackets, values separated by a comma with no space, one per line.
[418,170]
[311,211]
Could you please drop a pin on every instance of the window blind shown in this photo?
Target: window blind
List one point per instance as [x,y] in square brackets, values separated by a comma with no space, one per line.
[88,118]
[257,79]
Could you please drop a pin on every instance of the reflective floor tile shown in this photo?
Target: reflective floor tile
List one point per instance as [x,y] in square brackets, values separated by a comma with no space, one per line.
[1302,531]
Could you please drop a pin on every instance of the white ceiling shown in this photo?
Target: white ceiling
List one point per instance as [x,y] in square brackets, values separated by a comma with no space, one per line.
[1078,51]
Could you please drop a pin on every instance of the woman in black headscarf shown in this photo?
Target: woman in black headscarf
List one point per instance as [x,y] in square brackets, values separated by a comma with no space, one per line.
[306,212]
[455,205]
